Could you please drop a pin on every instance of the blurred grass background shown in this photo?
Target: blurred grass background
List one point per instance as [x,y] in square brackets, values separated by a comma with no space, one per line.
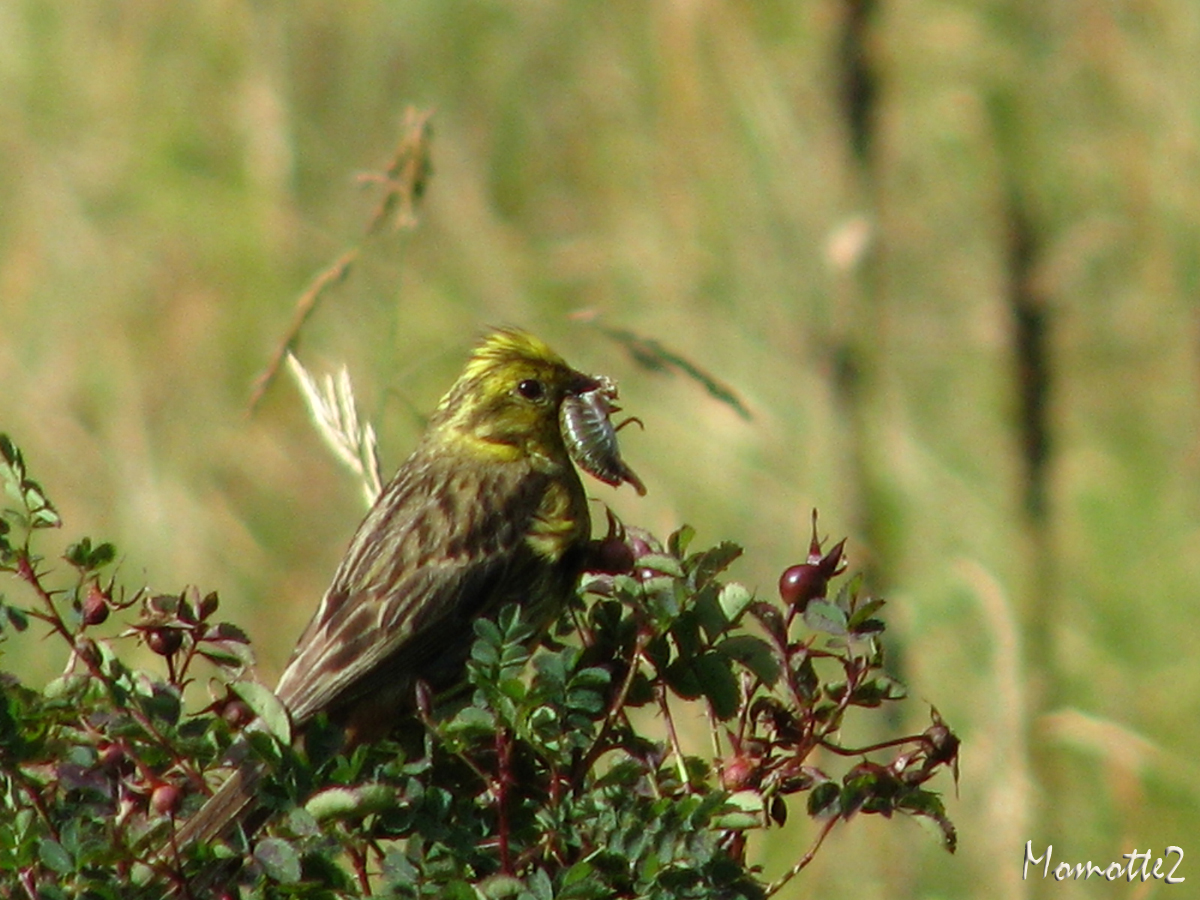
[946,252]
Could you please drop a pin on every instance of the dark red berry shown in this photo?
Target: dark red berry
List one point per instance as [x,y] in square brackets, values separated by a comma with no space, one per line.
[610,556]
[739,773]
[803,583]
[95,606]
[164,641]
[165,799]
[110,757]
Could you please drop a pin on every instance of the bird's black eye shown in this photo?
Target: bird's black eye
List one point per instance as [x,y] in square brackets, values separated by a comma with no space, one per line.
[531,389]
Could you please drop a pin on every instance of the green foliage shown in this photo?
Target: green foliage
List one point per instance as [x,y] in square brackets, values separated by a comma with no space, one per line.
[537,785]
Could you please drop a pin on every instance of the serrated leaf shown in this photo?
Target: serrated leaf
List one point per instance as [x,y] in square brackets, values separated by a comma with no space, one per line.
[755,654]
[279,859]
[472,719]
[593,676]
[346,802]
[500,887]
[487,631]
[709,613]
[928,809]
[584,700]
[821,615]
[457,890]
[269,709]
[226,631]
[551,670]
[679,540]
[45,517]
[657,562]
[737,821]
[580,872]
[102,555]
[873,692]
[865,609]
[823,800]
[209,604]
[397,869]
[686,632]
[681,677]
[734,599]
[848,595]
[707,564]
[12,456]
[299,822]
[485,653]
[55,857]
[770,619]
[717,682]
[226,655]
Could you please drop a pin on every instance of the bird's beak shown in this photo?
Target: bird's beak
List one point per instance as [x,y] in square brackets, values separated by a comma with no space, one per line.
[580,384]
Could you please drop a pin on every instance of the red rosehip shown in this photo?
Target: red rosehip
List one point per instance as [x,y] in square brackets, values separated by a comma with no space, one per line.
[110,757]
[739,773]
[800,584]
[164,641]
[95,606]
[165,799]
[610,556]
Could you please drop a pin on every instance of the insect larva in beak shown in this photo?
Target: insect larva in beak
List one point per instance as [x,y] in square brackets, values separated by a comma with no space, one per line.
[591,437]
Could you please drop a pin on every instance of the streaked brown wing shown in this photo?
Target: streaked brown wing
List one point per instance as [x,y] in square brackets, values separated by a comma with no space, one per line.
[434,552]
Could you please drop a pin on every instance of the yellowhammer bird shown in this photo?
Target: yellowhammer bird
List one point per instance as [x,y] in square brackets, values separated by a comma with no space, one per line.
[488,510]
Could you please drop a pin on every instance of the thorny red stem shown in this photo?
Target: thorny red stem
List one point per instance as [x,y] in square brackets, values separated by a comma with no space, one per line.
[805,859]
[503,779]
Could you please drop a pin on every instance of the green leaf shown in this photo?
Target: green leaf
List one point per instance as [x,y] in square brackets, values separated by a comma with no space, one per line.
[709,613]
[457,890]
[681,677]
[735,599]
[351,803]
[755,654]
[102,555]
[226,633]
[927,807]
[269,709]
[742,810]
[55,857]
[591,676]
[584,700]
[582,871]
[875,691]
[823,799]
[500,887]
[485,653]
[279,859]
[397,869]
[657,562]
[686,632]
[10,453]
[708,564]
[679,540]
[848,595]
[718,683]
[229,655]
[16,617]
[864,611]
[821,615]
[487,631]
